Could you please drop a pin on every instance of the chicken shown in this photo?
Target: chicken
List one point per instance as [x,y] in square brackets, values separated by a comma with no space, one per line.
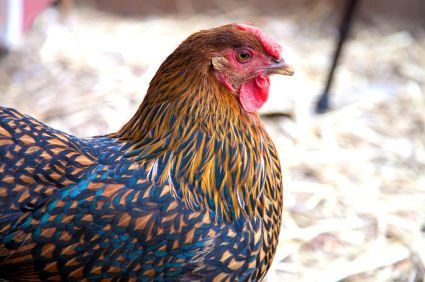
[189,189]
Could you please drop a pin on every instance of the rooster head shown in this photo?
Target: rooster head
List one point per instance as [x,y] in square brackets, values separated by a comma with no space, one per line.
[239,58]
[246,60]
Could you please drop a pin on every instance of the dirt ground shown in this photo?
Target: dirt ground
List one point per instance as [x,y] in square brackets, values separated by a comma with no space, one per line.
[354,177]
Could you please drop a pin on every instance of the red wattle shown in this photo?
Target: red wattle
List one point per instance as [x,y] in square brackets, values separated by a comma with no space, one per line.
[254,93]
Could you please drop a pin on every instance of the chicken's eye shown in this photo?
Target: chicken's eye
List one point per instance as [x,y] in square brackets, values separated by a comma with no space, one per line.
[243,56]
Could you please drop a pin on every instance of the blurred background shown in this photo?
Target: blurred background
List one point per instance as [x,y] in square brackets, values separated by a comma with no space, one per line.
[354,176]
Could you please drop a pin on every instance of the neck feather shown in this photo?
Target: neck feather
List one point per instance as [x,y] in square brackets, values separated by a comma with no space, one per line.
[190,133]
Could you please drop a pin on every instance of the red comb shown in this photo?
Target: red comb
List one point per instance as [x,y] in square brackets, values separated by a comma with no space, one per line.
[269,43]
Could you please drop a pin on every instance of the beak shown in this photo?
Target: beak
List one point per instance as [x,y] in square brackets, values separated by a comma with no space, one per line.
[280,67]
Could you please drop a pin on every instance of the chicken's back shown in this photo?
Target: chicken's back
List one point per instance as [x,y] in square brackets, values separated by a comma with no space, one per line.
[79,209]
[35,161]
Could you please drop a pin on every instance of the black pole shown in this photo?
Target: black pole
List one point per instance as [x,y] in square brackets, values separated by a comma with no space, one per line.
[3,52]
[346,23]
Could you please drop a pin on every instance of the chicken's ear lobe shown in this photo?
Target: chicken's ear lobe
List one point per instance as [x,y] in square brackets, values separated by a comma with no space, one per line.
[219,63]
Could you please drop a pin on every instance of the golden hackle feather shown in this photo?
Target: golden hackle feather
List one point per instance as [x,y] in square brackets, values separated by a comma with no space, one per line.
[186,92]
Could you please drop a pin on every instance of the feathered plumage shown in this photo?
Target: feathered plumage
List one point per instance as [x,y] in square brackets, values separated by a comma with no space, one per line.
[189,189]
